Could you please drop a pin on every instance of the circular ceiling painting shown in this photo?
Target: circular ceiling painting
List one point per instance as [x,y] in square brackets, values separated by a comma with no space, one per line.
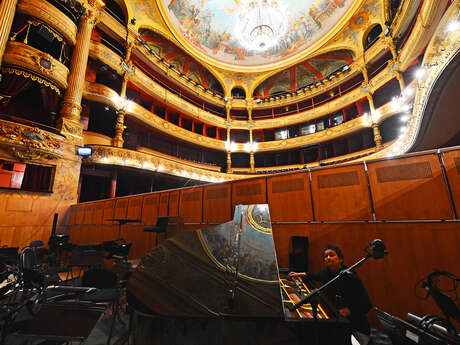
[254,32]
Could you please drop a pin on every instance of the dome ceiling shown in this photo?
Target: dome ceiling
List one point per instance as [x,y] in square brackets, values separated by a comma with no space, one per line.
[216,28]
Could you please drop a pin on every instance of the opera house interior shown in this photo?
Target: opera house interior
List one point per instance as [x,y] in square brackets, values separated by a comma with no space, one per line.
[130,127]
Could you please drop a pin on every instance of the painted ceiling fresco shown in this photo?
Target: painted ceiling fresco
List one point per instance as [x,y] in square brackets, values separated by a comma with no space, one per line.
[305,73]
[209,26]
[171,54]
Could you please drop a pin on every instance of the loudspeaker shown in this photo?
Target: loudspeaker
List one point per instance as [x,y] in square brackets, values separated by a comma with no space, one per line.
[298,259]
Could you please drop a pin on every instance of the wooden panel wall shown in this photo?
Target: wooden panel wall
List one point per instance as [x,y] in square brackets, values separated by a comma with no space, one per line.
[164,204]
[409,188]
[191,205]
[451,161]
[173,209]
[135,207]
[341,193]
[289,197]
[150,209]
[217,203]
[248,192]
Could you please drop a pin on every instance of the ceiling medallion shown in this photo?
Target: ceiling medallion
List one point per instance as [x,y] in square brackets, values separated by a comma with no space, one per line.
[261,24]
[255,32]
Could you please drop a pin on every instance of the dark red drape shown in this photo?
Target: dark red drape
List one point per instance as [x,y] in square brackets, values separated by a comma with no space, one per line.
[11,86]
[37,178]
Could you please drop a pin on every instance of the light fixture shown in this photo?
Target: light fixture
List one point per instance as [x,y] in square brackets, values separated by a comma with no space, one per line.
[453,26]
[346,68]
[251,147]
[260,24]
[420,73]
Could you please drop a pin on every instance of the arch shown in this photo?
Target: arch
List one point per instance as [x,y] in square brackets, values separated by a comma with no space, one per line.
[118,8]
[304,73]
[238,92]
[186,64]
[371,36]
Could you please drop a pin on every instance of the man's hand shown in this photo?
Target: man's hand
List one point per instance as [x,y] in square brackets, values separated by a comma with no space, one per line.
[296,274]
[345,312]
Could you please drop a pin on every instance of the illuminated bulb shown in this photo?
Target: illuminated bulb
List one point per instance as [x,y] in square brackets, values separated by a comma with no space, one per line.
[405,107]
[408,92]
[404,118]
[453,26]
[420,73]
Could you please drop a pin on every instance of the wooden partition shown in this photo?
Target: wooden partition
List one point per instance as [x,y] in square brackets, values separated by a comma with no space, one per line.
[246,192]
[164,205]
[173,209]
[341,193]
[150,209]
[217,203]
[335,207]
[409,188]
[451,160]
[191,205]
[289,197]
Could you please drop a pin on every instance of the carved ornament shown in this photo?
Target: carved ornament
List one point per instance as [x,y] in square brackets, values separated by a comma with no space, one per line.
[23,56]
[49,14]
[30,143]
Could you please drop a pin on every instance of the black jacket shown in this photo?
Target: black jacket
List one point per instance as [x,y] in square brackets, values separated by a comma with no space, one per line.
[349,292]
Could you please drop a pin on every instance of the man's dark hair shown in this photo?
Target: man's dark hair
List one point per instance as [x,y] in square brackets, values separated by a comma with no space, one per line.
[335,248]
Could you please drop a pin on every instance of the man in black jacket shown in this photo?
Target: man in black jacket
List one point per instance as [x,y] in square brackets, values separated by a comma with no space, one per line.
[347,293]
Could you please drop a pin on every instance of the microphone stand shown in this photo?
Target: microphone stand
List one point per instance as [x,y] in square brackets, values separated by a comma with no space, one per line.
[377,252]
[313,295]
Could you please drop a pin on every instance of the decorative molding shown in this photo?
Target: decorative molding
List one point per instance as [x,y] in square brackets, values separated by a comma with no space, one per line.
[152,162]
[29,58]
[443,47]
[49,14]
[30,143]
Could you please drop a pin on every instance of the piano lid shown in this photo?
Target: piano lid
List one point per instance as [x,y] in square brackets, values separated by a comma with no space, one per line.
[226,270]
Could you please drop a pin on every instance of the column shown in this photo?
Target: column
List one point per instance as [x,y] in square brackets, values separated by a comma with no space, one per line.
[375,126]
[249,107]
[7,11]
[251,162]
[113,184]
[120,124]
[400,78]
[228,107]
[69,122]
[117,141]
[229,162]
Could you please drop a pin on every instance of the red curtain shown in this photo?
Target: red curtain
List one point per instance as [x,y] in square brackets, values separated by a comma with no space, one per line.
[11,86]
[37,178]
[50,103]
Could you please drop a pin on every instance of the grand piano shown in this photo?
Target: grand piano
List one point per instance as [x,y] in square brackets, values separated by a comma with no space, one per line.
[221,285]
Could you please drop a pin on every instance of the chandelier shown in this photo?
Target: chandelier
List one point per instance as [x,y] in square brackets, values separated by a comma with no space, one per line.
[260,24]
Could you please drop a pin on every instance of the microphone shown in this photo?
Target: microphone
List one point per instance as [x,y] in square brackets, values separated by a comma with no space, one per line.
[378,249]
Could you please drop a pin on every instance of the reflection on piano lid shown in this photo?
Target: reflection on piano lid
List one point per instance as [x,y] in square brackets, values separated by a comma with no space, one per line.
[227,277]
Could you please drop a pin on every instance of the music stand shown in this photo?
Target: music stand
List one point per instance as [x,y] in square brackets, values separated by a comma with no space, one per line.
[122,221]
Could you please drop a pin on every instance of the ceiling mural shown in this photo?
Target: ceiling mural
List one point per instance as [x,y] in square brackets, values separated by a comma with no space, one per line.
[217,27]
[305,73]
[172,55]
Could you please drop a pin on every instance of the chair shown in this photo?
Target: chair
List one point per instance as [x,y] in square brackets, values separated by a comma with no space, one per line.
[160,227]
[108,291]
[85,257]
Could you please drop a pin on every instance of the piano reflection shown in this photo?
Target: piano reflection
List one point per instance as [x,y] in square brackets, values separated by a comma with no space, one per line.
[221,285]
